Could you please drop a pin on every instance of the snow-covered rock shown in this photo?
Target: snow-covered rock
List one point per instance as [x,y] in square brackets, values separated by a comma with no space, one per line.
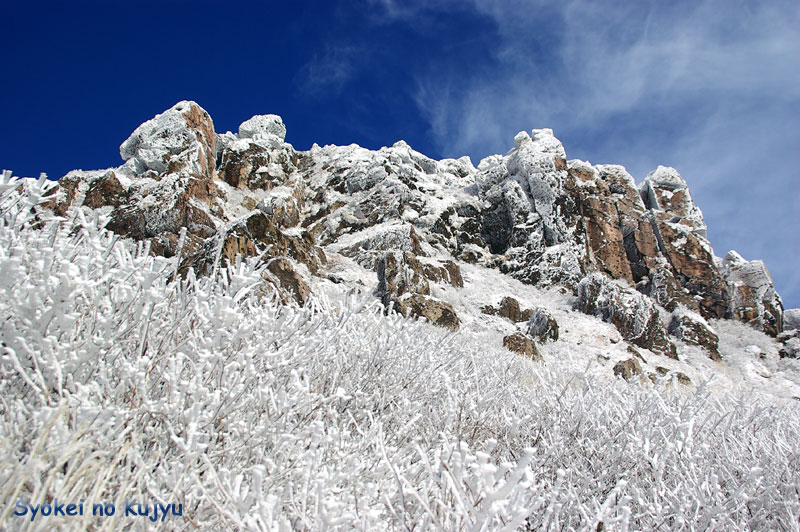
[633,314]
[664,189]
[751,294]
[542,325]
[531,217]
[791,319]
[262,126]
[181,139]
[694,330]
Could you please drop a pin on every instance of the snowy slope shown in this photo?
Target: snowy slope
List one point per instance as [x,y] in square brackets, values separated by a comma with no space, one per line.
[203,327]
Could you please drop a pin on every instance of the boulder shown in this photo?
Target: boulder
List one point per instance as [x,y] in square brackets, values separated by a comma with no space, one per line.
[542,325]
[522,344]
[181,139]
[262,126]
[751,294]
[509,309]
[633,314]
[628,369]
[694,330]
[421,306]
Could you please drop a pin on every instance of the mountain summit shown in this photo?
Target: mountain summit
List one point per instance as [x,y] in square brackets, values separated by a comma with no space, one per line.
[532,214]
[214,336]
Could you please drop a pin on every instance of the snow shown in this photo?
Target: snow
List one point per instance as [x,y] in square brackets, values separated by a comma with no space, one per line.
[121,380]
[262,126]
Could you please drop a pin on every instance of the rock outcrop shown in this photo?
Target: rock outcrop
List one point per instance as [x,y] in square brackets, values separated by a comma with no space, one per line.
[751,294]
[181,139]
[403,285]
[791,319]
[791,344]
[633,314]
[531,213]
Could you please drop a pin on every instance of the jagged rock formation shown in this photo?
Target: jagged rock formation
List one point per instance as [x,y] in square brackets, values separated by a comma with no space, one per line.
[751,294]
[411,220]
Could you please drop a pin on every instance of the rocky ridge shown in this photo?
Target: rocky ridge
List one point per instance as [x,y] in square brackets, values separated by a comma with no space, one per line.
[404,226]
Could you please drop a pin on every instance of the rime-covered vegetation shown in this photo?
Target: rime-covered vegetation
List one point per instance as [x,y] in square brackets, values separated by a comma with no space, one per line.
[120,379]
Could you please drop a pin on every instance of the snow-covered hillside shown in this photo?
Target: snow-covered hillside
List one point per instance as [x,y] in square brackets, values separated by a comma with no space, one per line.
[231,334]
[122,380]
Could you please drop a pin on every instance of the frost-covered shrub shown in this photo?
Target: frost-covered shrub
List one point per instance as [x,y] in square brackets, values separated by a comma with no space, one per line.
[119,380]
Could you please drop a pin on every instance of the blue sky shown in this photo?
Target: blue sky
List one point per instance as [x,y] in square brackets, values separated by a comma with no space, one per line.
[710,87]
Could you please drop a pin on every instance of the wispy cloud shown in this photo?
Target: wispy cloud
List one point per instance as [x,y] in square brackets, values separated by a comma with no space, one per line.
[327,72]
[584,62]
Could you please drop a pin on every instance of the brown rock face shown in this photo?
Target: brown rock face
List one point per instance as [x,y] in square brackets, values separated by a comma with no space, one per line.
[522,344]
[620,239]
[693,329]
[401,273]
[448,272]
[256,165]
[692,260]
[105,191]
[681,232]
[653,237]
[633,314]
[628,369]
[180,206]
[257,234]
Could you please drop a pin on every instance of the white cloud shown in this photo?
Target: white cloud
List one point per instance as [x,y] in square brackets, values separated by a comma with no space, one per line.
[601,61]
[326,73]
